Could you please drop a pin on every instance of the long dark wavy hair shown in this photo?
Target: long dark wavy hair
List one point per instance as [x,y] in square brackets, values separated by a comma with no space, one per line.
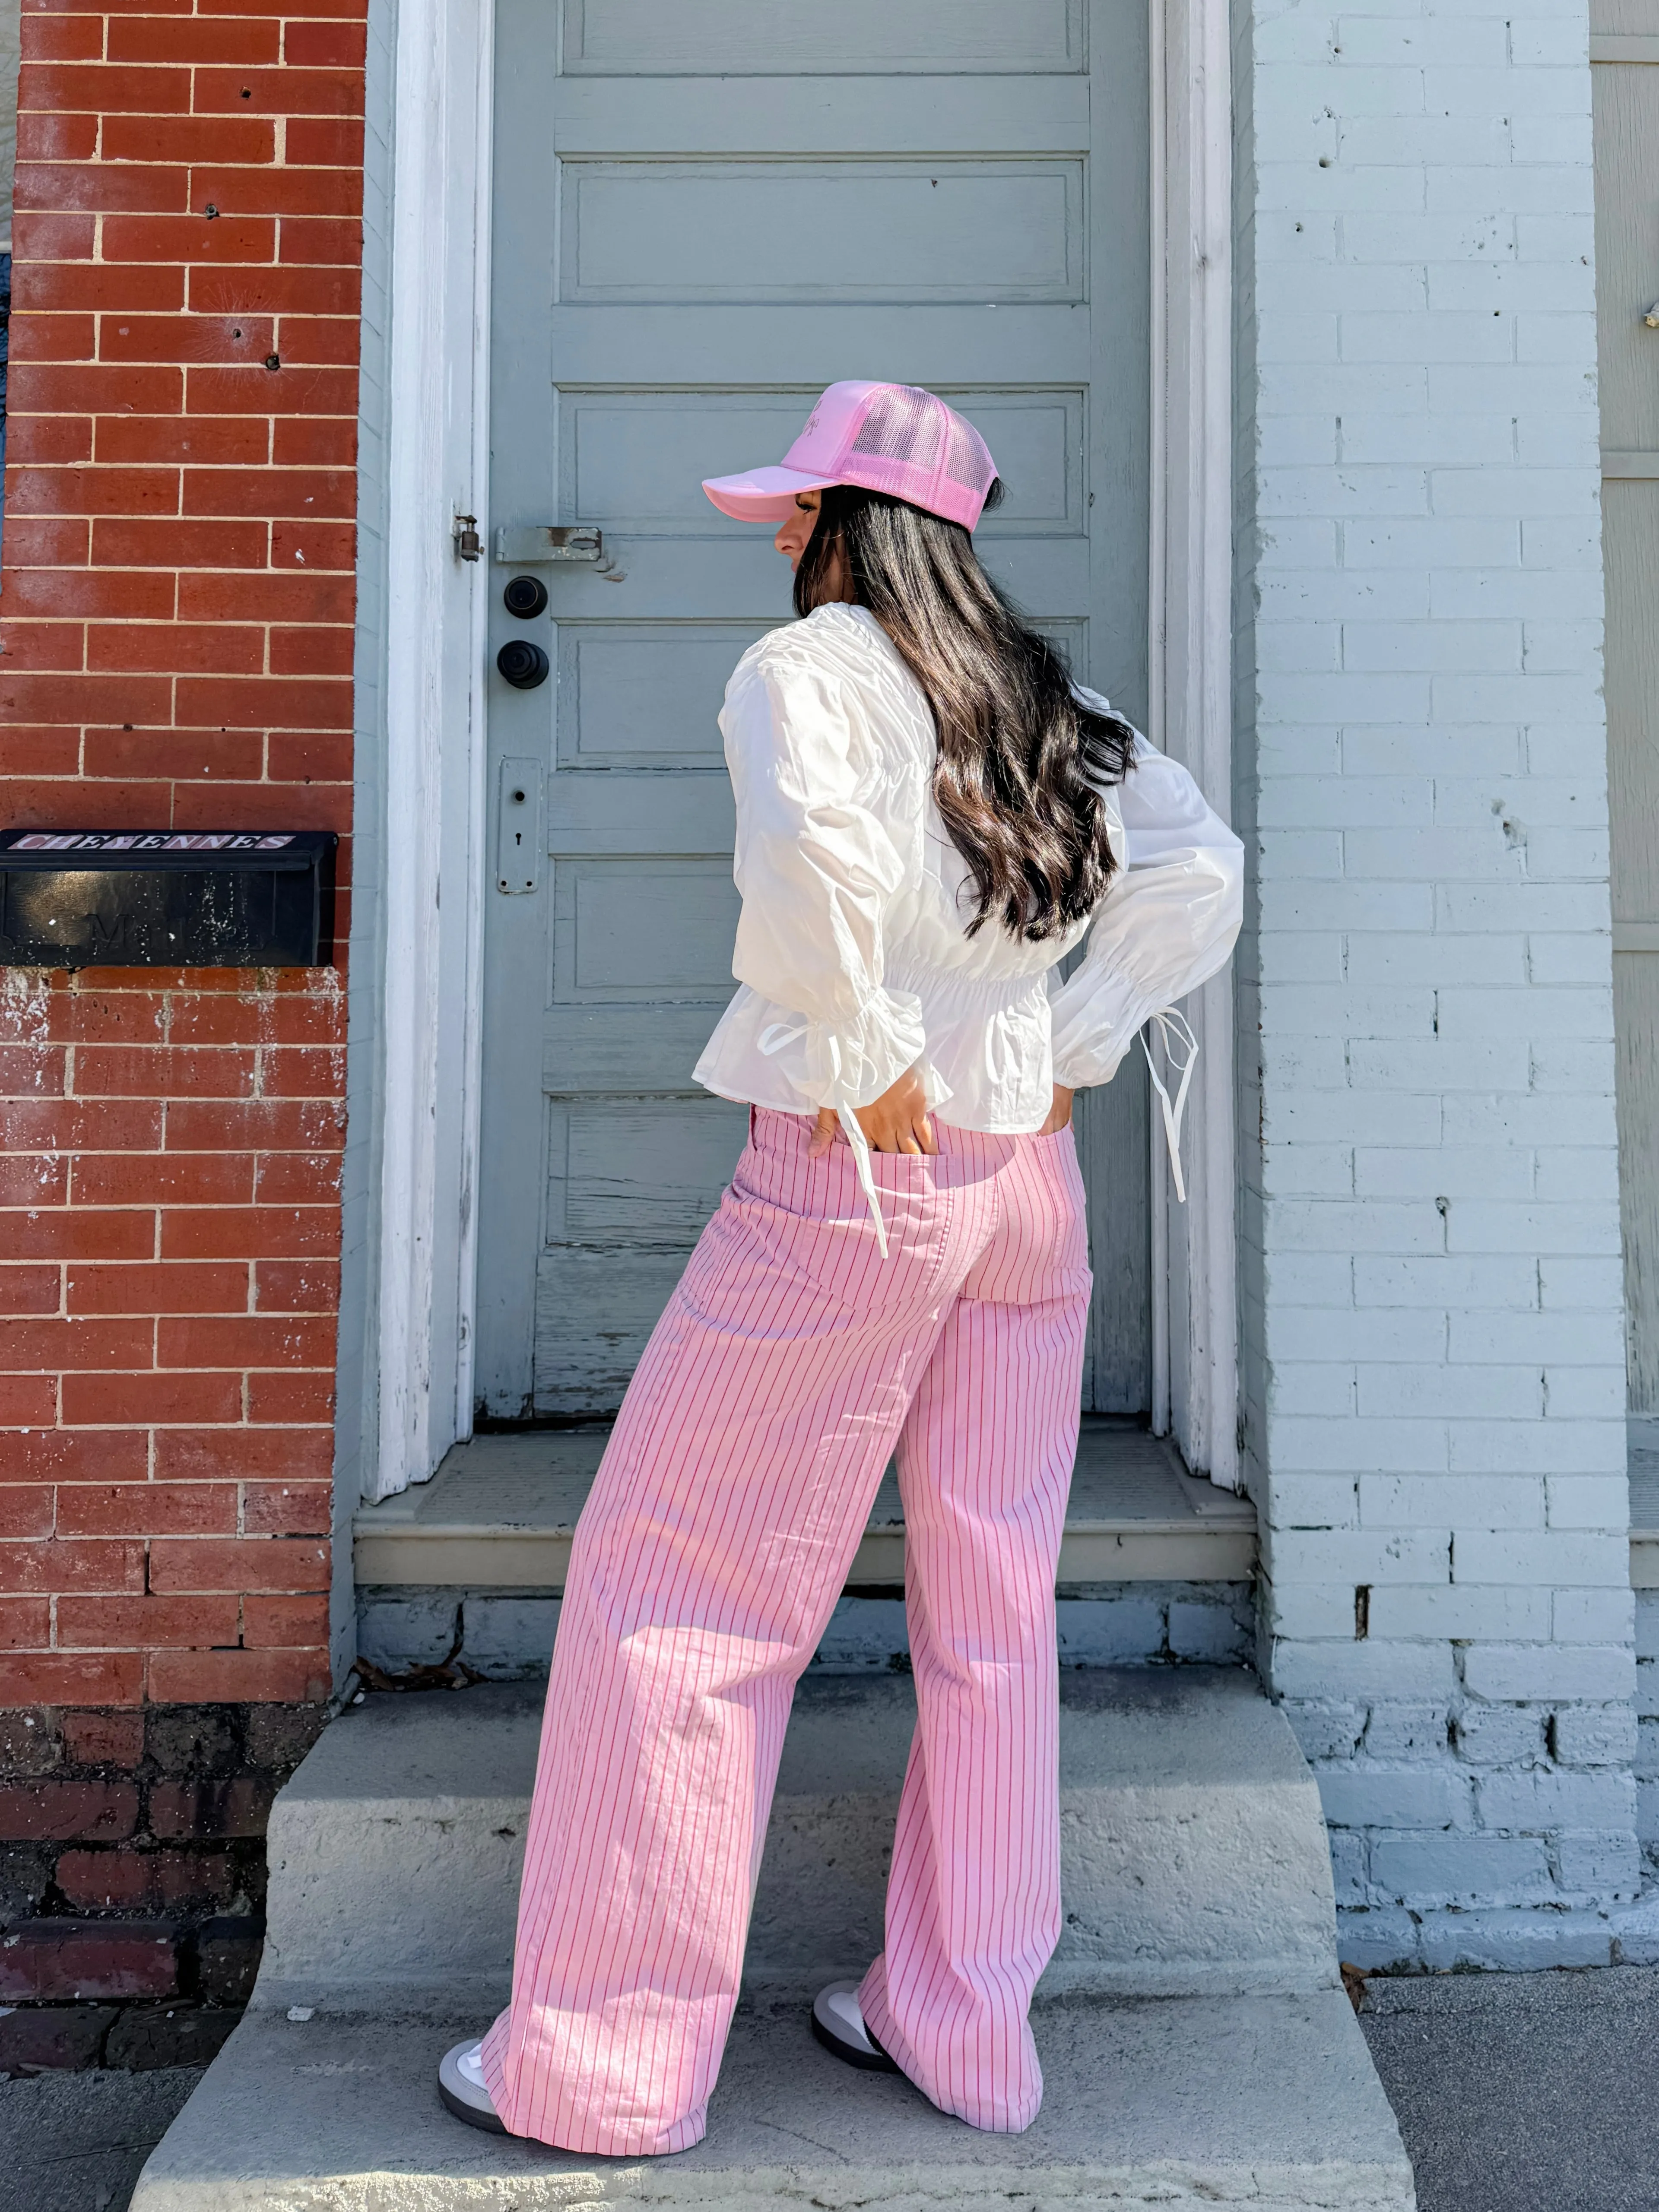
[1021,760]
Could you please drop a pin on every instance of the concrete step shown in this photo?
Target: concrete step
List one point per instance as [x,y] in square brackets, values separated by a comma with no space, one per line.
[500,1511]
[1196,2047]
[1233,2105]
[1195,1858]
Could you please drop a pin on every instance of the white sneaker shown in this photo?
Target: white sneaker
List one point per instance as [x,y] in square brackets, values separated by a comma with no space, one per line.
[461,2085]
[838,2024]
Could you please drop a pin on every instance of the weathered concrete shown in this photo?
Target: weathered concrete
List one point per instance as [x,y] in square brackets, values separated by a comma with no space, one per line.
[76,2142]
[1249,2104]
[395,1851]
[1193,1850]
[1194,1860]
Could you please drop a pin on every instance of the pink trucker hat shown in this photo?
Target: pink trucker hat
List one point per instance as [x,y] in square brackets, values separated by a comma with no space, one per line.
[893,438]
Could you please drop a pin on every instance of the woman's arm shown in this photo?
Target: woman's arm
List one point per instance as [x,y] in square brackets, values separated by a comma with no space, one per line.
[1167,922]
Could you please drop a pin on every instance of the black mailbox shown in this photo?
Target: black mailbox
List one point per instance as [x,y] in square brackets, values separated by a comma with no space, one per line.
[165,898]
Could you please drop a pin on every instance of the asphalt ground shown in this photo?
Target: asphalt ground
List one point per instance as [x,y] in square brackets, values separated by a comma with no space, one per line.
[1515,2093]
[1523,2093]
[76,2142]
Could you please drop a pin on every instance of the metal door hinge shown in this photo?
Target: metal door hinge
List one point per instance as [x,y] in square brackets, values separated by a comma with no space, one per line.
[523,548]
[469,546]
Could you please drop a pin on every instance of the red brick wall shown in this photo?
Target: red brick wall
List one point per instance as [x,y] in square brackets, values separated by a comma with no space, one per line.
[178,601]
[167,1299]
[133,1871]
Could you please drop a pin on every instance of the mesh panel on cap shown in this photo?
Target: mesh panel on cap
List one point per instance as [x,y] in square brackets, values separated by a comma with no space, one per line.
[966,457]
[902,424]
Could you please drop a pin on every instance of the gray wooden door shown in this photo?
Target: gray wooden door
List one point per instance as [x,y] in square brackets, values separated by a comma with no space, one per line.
[705,211]
[1624,54]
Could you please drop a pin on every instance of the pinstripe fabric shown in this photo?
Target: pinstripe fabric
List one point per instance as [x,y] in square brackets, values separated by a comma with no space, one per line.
[708,1558]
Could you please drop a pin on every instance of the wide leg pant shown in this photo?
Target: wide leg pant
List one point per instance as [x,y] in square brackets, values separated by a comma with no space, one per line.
[737,1484]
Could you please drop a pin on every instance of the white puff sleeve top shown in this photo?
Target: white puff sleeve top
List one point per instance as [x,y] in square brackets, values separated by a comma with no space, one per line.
[852,949]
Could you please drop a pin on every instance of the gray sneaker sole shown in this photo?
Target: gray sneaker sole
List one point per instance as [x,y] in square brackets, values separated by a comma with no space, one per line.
[457,2100]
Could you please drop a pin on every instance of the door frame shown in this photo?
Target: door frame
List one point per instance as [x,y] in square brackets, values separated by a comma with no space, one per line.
[1195,1272]
[417,934]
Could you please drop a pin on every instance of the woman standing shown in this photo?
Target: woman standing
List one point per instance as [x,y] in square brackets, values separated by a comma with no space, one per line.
[929,815]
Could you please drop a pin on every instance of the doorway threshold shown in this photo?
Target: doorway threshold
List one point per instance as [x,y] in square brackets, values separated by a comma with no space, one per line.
[501,1512]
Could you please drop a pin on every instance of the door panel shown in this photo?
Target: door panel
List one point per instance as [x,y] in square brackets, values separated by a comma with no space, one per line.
[645,694]
[622,455]
[682,262]
[1627,109]
[645,929]
[1630,546]
[1626,122]
[821,232]
[753,38]
[1630,552]
[1636,1030]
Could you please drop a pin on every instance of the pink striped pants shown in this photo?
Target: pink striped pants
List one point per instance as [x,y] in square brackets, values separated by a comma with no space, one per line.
[788,1363]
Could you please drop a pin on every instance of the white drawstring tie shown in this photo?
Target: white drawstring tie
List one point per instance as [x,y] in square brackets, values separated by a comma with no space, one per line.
[773,1039]
[1170,1020]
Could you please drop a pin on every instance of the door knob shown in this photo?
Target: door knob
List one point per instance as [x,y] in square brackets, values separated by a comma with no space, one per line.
[524,665]
[526,596]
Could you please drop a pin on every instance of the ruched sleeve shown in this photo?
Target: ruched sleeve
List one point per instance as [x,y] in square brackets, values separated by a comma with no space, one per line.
[818,873]
[1167,922]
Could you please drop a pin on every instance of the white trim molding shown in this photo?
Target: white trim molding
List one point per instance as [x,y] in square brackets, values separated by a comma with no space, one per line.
[1194,1287]
[436,407]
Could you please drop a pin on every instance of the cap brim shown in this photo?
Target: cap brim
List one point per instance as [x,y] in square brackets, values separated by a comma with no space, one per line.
[762,494]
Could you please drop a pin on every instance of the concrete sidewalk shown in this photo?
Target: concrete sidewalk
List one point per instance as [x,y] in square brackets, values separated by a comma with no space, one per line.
[1515,2092]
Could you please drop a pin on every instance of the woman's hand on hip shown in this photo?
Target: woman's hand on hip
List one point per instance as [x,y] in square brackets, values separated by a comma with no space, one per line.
[898,1121]
[1060,1113]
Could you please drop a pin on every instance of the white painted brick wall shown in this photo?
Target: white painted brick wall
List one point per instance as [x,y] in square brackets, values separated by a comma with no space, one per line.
[1434,1357]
